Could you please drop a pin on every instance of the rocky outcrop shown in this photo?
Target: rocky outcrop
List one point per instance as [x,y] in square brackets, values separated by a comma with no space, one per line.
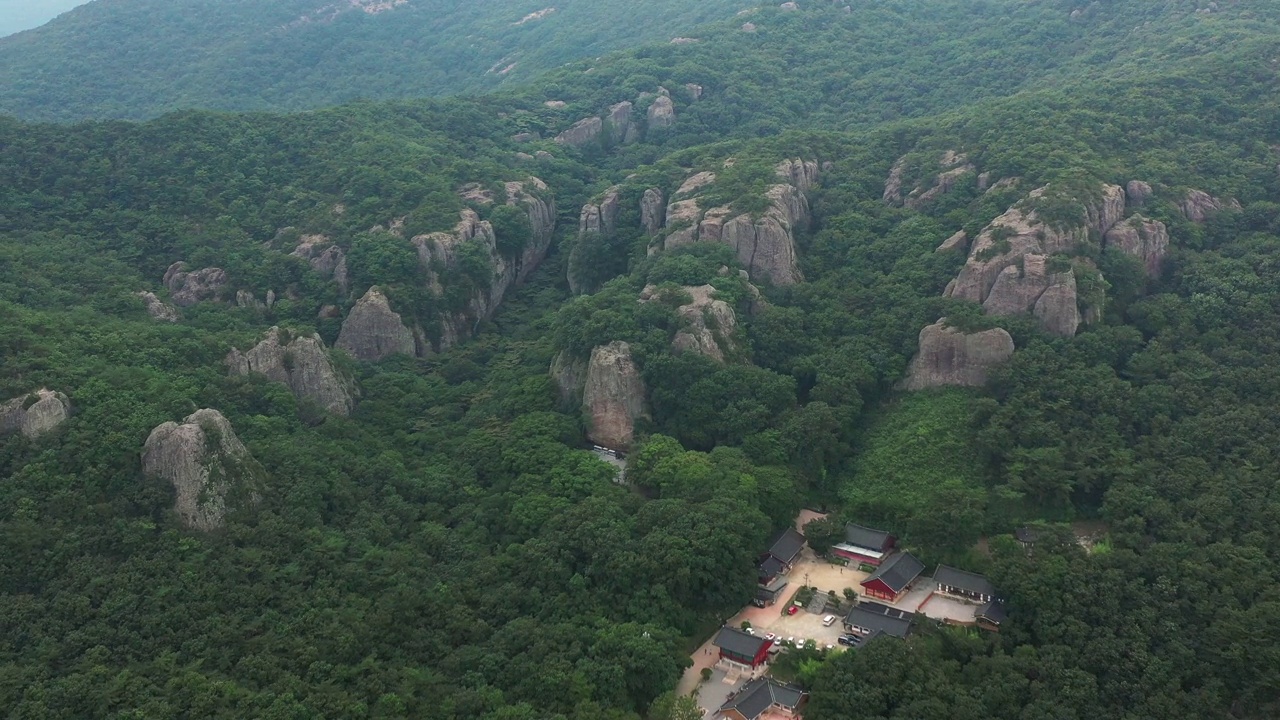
[373,331]
[594,221]
[622,128]
[1021,232]
[301,362]
[764,243]
[582,133]
[1031,288]
[325,258]
[209,468]
[956,242]
[157,308]
[34,414]
[952,167]
[707,325]
[1138,192]
[652,211]
[1144,239]
[893,184]
[1198,206]
[613,396]
[186,288]
[949,357]
[662,113]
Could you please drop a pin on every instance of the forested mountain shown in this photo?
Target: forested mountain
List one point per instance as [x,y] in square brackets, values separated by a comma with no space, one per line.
[293,407]
[141,58]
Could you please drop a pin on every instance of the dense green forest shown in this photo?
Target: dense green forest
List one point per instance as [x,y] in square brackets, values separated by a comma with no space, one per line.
[449,549]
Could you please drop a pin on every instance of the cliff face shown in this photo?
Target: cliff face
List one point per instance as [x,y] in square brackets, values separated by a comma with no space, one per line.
[613,397]
[708,325]
[188,287]
[1005,270]
[373,331]
[35,414]
[594,221]
[764,243]
[1144,239]
[949,357]
[209,468]
[325,258]
[300,362]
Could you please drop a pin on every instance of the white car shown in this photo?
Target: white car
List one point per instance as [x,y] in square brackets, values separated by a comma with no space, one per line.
[828,621]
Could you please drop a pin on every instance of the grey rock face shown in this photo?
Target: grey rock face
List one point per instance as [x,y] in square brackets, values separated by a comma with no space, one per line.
[614,396]
[956,242]
[708,325]
[1147,240]
[157,308]
[652,211]
[949,357]
[373,331]
[594,219]
[1198,206]
[570,376]
[208,466]
[1051,297]
[893,184]
[1138,192]
[662,113]
[622,128]
[300,362]
[34,414]
[186,288]
[582,133]
[325,258]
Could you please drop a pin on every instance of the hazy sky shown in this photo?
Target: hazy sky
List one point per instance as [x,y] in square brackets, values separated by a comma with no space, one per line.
[18,15]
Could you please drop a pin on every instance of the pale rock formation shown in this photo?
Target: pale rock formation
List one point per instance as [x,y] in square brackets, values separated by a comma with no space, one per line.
[748,27]
[1138,192]
[373,331]
[958,241]
[652,211]
[1198,205]
[34,414]
[582,133]
[893,184]
[302,363]
[208,466]
[1051,297]
[186,288]
[803,174]
[622,128]
[694,90]
[613,397]
[325,258]
[601,219]
[789,6]
[943,183]
[543,155]
[662,113]
[1147,240]
[682,223]
[708,325]
[949,357]
[569,376]
[157,308]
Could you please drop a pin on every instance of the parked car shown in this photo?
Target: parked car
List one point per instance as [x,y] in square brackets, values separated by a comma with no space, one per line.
[758,603]
[793,609]
[847,640]
[828,621]
[769,636]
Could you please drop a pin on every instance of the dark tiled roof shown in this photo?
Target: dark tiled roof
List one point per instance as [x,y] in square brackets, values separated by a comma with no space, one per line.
[788,545]
[993,612]
[964,580]
[897,572]
[761,694]
[865,537]
[738,642]
[869,618]
[771,567]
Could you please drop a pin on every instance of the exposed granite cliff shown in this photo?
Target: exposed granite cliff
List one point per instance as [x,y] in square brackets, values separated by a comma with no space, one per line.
[1198,205]
[947,357]
[613,397]
[582,133]
[34,414]
[707,325]
[157,308]
[653,211]
[325,258]
[1144,239]
[373,331]
[186,288]
[301,362]
[208,466]
[596,219]
[662,113]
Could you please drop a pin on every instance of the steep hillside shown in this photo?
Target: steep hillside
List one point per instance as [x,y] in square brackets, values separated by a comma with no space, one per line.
[140,58]
[295,409]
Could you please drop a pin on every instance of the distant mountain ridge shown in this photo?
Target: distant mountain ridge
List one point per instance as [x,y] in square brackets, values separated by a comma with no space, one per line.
[303,54]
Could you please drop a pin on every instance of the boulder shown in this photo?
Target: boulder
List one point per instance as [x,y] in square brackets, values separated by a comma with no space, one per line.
[803,174]
[748,27]
[766,246]
[186,288]
[949,357]
[682,223]
[621,127]
[1138,192]
[157,308]
[652,211]
[325,258]
[582,133]
[1198,205]
[613,396]
[209,468]
[943,183]
[956,242]
[601,219]
[893,184]
[707,325]
[1141,238]
[373,331]
[301,362]
[34,414]
[662,113]
[695,182]
[694,90]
